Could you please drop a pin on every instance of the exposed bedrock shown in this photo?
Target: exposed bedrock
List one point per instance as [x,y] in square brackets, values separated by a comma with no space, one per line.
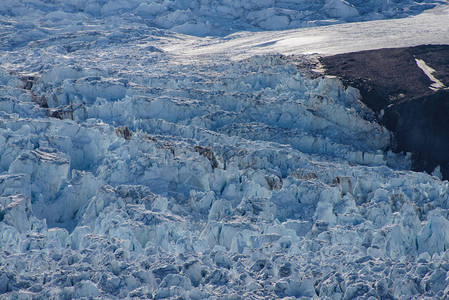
[408,88]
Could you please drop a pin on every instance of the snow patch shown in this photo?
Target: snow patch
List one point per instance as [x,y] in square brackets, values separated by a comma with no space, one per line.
[436,84]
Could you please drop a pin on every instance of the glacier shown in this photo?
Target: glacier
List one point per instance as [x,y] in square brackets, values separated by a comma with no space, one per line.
[153,150]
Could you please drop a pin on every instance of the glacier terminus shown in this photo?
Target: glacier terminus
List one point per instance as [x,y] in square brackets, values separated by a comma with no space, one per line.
[172,149]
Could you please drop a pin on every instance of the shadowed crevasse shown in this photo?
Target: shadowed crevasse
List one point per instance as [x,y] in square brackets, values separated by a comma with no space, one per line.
[404,96]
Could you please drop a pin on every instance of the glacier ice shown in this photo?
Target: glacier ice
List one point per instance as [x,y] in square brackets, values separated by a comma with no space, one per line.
[189,17]
[128,169]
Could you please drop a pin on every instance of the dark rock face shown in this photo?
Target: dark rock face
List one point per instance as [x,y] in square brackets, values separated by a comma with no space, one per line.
[124,132]
[421,125]
[392,84]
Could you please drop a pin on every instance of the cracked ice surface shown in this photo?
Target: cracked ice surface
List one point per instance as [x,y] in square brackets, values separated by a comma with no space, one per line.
[36,20]
[130,170]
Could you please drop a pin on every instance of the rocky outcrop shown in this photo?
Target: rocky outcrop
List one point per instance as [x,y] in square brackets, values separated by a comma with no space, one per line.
[407,87]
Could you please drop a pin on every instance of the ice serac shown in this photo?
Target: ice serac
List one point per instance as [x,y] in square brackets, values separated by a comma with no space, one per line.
[341,9]
[16,212]
[46,170]
[434,236]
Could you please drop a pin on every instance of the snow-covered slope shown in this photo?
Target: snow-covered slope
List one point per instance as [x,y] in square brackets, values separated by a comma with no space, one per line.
[139,162]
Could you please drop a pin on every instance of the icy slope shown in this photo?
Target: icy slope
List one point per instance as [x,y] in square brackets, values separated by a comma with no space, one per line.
[429,27]
[137,162]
